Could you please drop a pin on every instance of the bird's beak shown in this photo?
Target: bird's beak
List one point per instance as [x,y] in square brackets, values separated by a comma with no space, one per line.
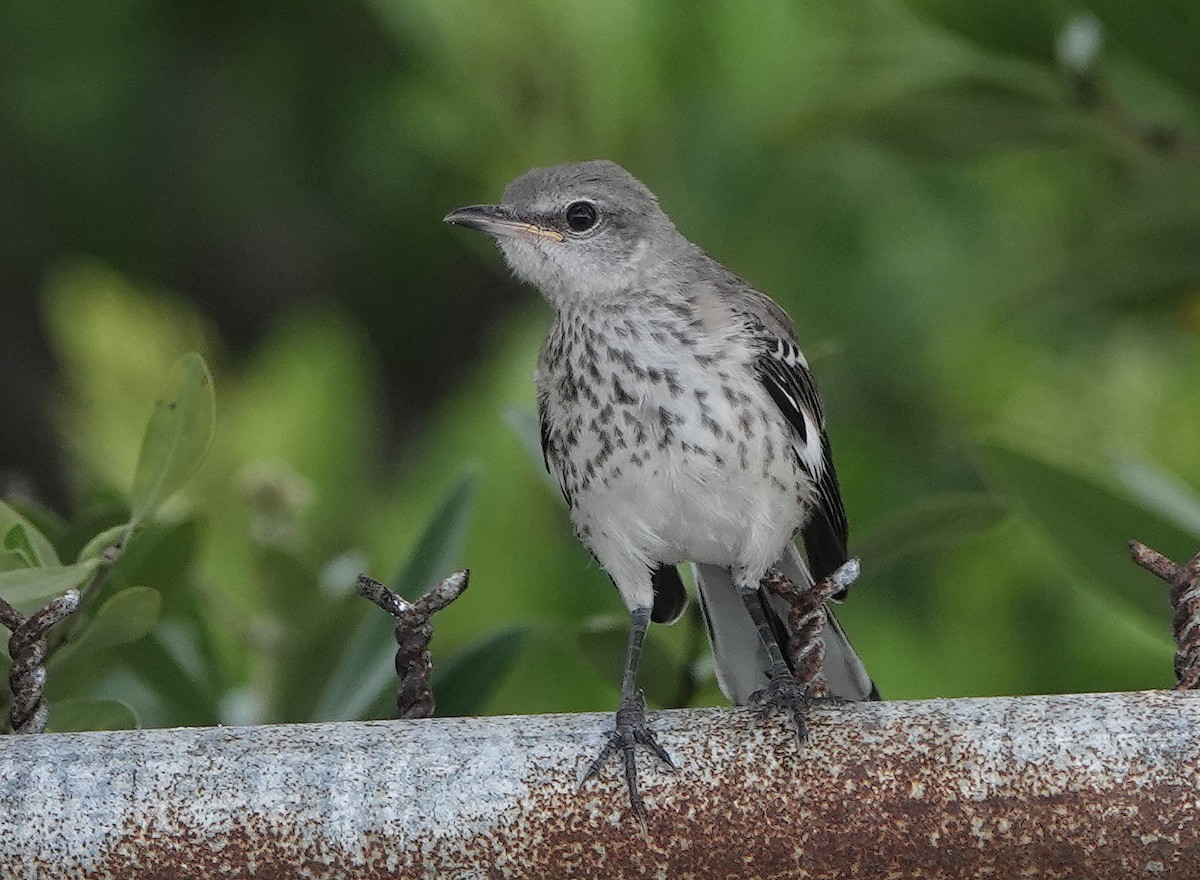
[497,220]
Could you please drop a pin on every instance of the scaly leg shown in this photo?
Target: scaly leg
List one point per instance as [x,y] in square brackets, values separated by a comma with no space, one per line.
[631,719]
[783,691]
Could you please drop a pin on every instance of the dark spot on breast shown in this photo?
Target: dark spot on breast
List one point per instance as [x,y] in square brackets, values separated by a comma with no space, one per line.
[620,395]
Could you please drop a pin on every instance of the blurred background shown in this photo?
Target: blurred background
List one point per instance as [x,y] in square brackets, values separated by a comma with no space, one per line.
[984,218]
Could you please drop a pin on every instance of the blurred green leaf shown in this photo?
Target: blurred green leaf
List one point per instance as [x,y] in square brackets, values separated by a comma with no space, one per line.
[1161,491]
[11,561]
[927,525]
[101,542]
[1142,253]
[124,618]
[170,666]
[440,545]
[30,588]
[177,436]
[16,540]
[462,686]
[603,641]
[1025,27]
[1090,525]
[29,536]
[366,670]
[90,713]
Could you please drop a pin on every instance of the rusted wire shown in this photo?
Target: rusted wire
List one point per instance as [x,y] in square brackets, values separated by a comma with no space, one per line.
[27,647]
[1184,581]
[414,631]
[806,619]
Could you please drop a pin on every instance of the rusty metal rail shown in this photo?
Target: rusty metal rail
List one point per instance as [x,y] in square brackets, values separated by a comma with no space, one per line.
[1096,786]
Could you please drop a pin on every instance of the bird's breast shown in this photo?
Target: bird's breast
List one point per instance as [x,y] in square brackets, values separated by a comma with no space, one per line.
[675,445]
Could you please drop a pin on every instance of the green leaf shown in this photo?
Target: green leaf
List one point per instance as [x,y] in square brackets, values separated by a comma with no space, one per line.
[38,544]
[1161,491]
[125,618]
[602,641]
[366,671]
[91,713]
[31,588]
[462,686]
[439,548]
[120,621]
[12,561]
[177,436]
[927,525]
[170,671]
[105,539]
[1087,523]
[16,540]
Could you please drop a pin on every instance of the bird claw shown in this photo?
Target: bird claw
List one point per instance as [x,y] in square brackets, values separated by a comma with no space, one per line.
[630,731]
[785,694]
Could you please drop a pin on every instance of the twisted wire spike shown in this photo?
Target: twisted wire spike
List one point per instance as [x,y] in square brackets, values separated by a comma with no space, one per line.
[414,665]
[1184,594]
[414,632]
[27,647]
[806,619]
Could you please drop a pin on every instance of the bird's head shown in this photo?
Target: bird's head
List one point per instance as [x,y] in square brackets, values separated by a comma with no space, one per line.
[575,231]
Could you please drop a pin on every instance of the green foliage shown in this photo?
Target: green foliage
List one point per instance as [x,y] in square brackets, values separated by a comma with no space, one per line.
[175,441]
[932,523]
[91,713]
[977,249]
[177,436]
[29,588]
[464,685]
[1086,522]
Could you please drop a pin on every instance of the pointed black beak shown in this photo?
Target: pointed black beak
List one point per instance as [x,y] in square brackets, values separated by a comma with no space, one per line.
[497,220]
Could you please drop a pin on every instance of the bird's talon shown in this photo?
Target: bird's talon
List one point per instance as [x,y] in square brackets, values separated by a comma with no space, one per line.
[785,694]
[630,731]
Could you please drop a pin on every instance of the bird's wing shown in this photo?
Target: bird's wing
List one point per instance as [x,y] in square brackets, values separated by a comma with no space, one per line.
[784,373]
[545,430]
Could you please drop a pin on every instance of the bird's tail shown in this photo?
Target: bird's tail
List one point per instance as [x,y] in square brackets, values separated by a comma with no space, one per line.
[741,660]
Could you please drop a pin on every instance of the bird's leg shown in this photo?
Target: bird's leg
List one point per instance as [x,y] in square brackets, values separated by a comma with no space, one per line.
[631,719]
[782,691]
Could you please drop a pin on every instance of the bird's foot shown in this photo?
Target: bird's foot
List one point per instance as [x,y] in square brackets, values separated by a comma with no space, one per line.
[785,694]
[630,730]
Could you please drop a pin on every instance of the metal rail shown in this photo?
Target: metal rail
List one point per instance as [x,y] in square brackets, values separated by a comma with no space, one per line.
[1086,785]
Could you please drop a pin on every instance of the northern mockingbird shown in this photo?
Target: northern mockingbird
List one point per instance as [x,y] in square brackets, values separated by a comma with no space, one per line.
[681,422]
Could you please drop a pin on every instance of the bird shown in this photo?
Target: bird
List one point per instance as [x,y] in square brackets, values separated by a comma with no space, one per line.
[681,421]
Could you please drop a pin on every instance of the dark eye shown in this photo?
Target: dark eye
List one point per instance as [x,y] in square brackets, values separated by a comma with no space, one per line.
[581,216]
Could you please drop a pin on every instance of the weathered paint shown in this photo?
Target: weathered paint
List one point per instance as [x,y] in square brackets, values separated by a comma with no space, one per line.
[1096,786]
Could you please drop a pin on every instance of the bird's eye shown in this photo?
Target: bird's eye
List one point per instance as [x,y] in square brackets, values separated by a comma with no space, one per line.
[581,216]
